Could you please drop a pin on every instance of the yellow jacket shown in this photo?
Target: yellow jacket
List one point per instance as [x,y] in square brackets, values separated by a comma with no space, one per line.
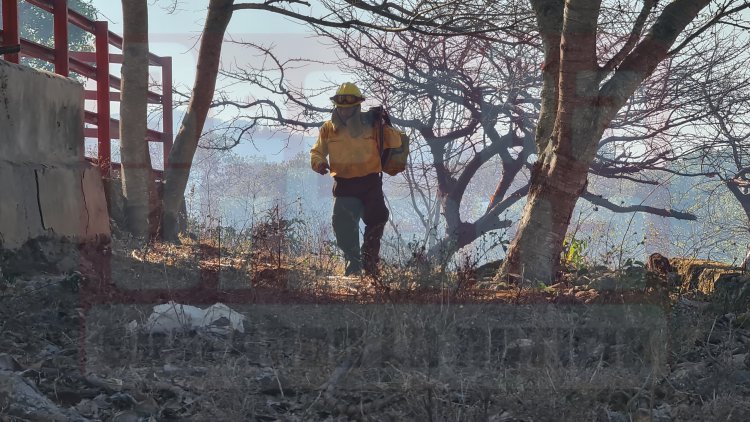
[349,156]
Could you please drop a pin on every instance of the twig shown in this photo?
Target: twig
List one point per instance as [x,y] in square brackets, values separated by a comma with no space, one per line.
[329,388]
[638,393]
[278,381]
[353,411]
[708,338]
[552,383]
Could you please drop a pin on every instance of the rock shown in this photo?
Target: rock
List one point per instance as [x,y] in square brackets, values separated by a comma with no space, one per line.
[122,401]
[690,270]
[274,385]
[731,292]
[505,416]
[565,297]
[742,321]
[687,374]
[674,279]
[683,412]
[109,384]
[171,410]
[580,281]
[9,363]
[88,408]
[129,416]
[587,296]
[102,401]
[49,351]
[605,283]
[607,415]
[616,400]
[694,304]
[517,350]
[710,276]
[738,361]
[171,369]
[658,263]
[740,377]
[21,399]
[147,407]
[633,276]
[662,413]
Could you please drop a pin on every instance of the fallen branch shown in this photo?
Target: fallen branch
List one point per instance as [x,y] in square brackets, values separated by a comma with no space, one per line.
[353,411]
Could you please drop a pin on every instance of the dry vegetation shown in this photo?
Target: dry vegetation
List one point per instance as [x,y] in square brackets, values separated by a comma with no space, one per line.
[601,345]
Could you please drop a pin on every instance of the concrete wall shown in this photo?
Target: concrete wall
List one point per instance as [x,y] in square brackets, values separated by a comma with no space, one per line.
[47,190]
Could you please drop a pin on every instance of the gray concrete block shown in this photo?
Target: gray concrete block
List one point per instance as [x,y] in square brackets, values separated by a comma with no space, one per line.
[19,213]
[41,115]
[51,198]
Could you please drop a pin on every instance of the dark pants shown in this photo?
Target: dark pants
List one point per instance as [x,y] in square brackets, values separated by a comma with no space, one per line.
[355,198]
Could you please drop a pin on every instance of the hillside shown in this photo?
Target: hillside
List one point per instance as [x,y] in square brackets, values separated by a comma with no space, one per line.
[420,345]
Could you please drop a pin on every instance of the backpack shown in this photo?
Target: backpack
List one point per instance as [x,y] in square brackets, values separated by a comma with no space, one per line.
[392,160]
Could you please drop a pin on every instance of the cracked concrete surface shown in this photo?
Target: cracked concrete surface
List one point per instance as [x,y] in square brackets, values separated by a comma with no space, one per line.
[48,191]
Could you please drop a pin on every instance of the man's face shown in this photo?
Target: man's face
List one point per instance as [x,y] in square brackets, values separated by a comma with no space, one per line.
[345,112]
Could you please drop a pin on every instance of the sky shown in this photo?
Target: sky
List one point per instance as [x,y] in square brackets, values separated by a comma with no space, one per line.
[176,32]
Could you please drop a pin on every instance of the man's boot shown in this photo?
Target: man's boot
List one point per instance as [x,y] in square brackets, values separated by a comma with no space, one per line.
[353,267]
[370,264]
[371,249]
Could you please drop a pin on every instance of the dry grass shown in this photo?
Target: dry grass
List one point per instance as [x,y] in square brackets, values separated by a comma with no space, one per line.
[419,345]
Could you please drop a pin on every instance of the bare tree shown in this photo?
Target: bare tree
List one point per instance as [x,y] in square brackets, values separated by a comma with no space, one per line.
[444,96]
[580,98]
[469,102]
[450,18]
[137,182]
[566,142]
[180,159]
[721,151]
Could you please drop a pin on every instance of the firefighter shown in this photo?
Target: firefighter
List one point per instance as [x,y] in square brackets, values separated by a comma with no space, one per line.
[348,146]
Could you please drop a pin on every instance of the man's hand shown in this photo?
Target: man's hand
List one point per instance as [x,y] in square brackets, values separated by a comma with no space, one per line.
[322,168]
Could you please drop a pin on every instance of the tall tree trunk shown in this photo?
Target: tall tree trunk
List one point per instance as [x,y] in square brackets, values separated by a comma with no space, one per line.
[137,181]
[186,142]
[581,111]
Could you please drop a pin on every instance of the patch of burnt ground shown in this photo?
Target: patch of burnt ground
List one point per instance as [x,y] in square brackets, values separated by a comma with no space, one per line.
[603,345]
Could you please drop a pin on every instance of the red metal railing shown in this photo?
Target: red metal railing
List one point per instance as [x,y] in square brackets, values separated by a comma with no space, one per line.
[92,65]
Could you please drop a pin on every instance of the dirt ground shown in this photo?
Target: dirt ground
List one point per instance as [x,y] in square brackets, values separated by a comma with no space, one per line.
[319,347]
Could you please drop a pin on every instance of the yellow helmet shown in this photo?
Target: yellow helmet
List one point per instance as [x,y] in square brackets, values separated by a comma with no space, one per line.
[348,95]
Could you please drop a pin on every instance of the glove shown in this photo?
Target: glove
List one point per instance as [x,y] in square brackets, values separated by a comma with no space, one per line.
[322,168]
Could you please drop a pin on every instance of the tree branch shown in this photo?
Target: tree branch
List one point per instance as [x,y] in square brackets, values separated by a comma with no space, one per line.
[708,25]
[444,25]
[635,35]
[664,212]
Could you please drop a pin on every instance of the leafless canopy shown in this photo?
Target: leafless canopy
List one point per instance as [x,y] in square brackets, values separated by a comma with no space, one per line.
[463,78]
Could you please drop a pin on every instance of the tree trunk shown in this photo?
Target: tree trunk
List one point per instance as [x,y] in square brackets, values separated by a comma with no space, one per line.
[137,180]
[583,110]
[180,159]
[535,251]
